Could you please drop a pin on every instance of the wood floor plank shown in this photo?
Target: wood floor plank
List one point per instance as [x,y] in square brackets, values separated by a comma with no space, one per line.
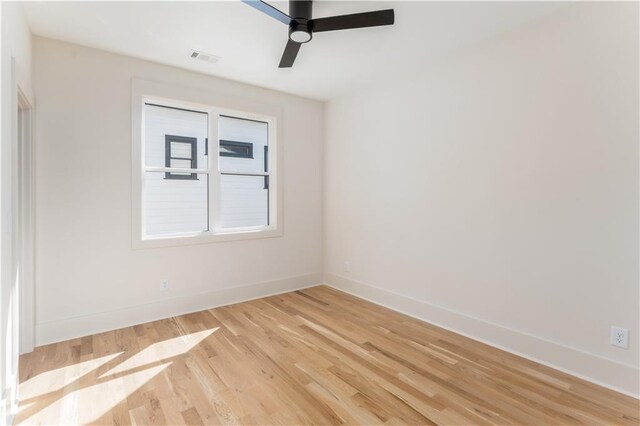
[313,356]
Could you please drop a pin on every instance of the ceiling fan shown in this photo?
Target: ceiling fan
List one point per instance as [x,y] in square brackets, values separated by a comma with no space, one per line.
[302,26]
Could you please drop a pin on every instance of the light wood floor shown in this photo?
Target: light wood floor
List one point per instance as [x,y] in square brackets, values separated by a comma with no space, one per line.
[316,356]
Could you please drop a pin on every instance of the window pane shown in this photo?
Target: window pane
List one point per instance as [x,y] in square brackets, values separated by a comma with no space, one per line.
[175,206]
[181,150]
[243,201]
[236,149]
[242,144]
[160,122]
[180,164]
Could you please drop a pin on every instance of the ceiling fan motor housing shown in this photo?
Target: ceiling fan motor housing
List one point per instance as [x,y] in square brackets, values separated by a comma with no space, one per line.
[302,25]
[299,28]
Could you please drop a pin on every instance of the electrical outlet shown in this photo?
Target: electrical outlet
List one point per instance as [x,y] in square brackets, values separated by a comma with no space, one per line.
[347,266]
[164,284]
[620,337]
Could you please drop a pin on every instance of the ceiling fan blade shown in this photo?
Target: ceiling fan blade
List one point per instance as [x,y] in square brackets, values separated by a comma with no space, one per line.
[269,10]
[356,20]
[289,55]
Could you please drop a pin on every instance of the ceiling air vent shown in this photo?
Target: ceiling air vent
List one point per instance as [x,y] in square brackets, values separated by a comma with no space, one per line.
[207,57]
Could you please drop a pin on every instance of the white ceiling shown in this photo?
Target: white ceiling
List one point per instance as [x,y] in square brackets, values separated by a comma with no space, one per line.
[251,43]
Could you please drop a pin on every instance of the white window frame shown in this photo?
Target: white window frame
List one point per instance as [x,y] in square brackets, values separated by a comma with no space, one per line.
[214,104]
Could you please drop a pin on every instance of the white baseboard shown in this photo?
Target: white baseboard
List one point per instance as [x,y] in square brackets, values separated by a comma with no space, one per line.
[620,377]
[71,328]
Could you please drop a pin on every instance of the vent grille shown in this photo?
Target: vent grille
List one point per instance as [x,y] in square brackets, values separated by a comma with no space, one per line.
[202,56]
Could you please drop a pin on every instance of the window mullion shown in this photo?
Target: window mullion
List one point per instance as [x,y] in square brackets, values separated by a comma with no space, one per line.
[213,172]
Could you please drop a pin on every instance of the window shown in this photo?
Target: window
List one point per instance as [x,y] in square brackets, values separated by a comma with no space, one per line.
[236,149]
[181,152]
[184,195]
[243,198]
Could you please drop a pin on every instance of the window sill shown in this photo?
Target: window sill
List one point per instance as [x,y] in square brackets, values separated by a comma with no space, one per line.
[238,234]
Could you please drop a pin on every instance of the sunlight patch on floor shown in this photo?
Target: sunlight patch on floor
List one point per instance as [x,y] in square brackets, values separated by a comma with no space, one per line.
[53,380]
[162,350]
[23,406]
[88,404]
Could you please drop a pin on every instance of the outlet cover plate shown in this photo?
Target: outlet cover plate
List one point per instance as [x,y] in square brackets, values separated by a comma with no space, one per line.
[164,284]
[620,337]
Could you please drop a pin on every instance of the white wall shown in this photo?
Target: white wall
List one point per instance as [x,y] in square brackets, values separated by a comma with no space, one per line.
[15,71]
[88,276]
[496,193]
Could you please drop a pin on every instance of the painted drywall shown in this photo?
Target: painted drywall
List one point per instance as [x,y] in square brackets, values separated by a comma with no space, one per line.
[88,276]
[496,192]
[15,60]
[16,39]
